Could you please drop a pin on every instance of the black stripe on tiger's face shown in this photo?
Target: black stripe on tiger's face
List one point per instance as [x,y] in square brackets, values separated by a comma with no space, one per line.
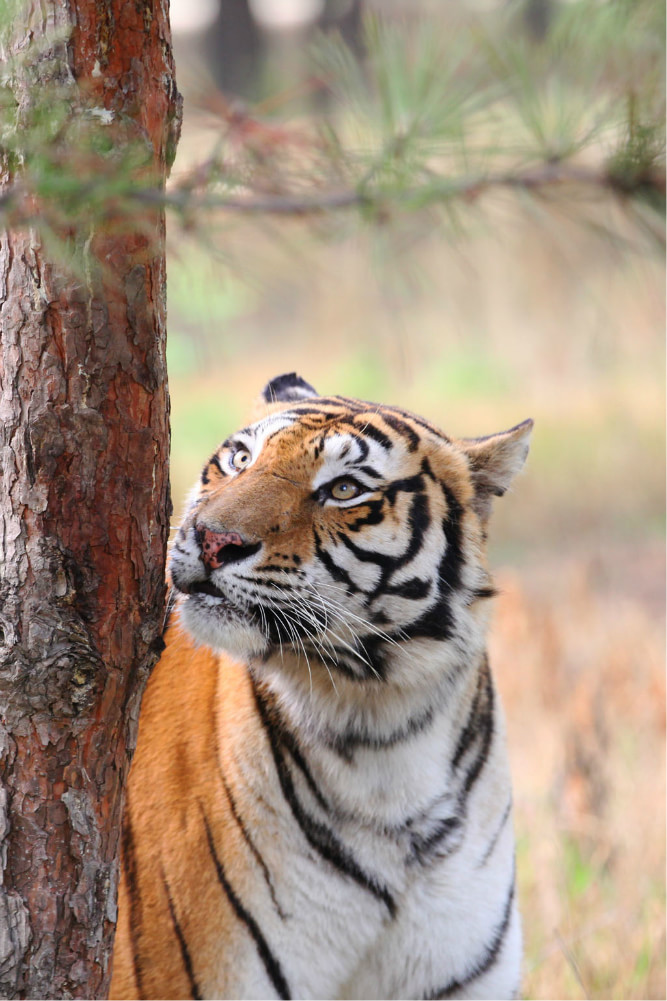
[336,532]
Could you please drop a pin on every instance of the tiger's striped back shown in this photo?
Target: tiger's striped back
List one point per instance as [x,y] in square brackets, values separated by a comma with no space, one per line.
[320,803]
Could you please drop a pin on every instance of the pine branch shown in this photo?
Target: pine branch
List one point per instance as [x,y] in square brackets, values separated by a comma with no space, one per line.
[536,178]
[425,120]
[17,207]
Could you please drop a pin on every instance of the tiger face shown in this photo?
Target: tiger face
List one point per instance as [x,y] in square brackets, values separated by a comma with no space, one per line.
[332,530]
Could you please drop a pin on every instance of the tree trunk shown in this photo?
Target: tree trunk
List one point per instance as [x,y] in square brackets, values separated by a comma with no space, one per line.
[84,513]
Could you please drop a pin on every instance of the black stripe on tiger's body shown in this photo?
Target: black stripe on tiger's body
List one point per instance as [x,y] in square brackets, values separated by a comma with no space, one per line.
[182,943]
[247,837]
[134,914]
[478,713]
[320,803]
[347,742]
[494,840]
[437,843]
[483,965]
[317,834]
[483,729]
[270,962]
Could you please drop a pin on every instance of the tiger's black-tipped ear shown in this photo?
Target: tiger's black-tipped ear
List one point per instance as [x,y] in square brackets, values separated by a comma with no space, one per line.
[287,388]
[494,462]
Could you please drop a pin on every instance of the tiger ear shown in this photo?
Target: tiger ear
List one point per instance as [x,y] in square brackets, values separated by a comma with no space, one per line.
[494,462]
[287,389]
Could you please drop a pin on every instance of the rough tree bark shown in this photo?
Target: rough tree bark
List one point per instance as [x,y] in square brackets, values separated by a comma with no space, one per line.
[84,511]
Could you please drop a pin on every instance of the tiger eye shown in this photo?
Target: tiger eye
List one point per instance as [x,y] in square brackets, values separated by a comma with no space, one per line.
[240,458]
[344,490]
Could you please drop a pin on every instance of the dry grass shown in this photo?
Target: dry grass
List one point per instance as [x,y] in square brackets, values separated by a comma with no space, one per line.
[582,677]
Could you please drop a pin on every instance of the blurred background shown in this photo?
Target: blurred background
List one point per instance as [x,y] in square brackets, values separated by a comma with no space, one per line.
[544,307]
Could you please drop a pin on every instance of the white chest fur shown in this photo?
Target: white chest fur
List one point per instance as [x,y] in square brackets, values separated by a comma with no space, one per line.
[392,858]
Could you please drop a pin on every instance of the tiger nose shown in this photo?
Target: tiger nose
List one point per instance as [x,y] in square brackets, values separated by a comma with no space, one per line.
[213,546]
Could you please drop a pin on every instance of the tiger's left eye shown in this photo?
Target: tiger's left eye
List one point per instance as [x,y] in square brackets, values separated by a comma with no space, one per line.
[344,490]
[241,458]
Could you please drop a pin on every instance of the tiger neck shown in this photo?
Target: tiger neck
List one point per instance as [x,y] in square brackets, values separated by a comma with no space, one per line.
[426,685]
[375,755]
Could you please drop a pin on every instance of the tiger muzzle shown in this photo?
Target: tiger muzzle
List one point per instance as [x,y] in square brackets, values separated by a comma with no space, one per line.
[218,549]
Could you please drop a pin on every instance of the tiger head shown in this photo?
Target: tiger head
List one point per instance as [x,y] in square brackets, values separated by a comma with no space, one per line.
[334,532]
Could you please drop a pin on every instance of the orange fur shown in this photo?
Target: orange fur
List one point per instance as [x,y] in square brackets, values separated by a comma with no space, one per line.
[175,774]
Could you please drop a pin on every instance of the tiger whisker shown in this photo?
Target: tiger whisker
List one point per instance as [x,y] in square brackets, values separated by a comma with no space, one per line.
[321,638]
[322,657]
[295,639]
[357,618]
[307,614]
[333,611]
[327,609]
[305,617]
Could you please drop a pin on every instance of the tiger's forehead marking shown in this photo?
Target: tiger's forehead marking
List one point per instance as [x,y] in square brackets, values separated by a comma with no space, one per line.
[343,436]
[256,435]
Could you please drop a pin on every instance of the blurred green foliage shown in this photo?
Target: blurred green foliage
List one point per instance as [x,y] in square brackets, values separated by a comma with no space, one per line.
[435,112]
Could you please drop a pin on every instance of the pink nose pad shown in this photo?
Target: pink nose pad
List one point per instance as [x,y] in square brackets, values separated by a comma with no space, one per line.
[212,542]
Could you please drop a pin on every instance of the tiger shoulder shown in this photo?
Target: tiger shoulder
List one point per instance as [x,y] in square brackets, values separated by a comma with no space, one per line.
[320,802]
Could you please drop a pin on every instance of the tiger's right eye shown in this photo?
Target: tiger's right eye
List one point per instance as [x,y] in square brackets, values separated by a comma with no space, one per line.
[343,490]
[240,458]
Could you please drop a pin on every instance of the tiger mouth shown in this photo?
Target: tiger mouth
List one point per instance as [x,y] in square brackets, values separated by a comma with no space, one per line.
[205,587]
[222,602]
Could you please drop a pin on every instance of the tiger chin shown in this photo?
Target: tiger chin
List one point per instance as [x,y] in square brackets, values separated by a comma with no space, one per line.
[320,803]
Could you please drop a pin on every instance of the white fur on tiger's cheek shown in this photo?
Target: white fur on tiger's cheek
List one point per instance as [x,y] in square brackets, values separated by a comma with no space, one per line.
[207,626]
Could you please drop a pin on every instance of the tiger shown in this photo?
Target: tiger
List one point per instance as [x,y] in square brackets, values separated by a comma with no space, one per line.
[320,805]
